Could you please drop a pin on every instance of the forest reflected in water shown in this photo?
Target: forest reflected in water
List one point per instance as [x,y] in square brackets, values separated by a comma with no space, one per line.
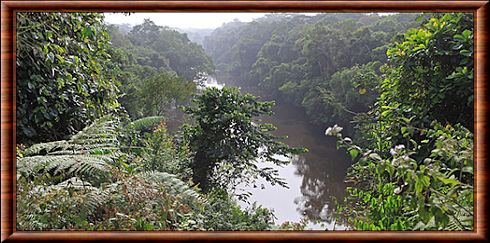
[102,142]
[314,178]
[318,174]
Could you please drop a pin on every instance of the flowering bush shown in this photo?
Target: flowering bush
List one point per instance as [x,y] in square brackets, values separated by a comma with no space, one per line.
[426,185]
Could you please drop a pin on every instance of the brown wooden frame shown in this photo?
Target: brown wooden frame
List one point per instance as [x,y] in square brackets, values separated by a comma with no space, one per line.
[9,8]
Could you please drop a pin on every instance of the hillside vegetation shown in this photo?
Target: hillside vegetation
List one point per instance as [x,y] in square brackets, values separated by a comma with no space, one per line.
[93,100]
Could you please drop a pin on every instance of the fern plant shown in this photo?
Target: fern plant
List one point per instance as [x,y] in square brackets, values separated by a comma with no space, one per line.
[89,183]
[171,182]
[88,153]
[80,184]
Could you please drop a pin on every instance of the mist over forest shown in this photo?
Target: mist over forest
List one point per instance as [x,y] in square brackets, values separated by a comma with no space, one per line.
[333,121]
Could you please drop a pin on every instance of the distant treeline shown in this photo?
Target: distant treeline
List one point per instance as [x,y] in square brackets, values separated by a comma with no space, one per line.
[328,63]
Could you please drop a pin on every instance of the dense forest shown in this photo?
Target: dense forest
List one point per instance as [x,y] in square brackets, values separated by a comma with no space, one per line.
[94,150]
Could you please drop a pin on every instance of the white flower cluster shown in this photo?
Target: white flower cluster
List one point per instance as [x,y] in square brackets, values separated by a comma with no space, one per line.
[396,152]
[333,131]
[397,149]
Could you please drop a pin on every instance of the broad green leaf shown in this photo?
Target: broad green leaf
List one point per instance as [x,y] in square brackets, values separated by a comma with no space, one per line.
[448,181]
[354,153]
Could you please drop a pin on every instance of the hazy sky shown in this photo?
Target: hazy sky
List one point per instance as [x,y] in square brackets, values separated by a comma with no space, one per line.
[182,20]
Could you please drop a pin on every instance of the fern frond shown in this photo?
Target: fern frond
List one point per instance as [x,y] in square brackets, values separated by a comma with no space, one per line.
[46,148]
[86,198]
[87,149]
[88,152]
[72,164]
[171,182]
[74,182]
[462,220]
[104,130]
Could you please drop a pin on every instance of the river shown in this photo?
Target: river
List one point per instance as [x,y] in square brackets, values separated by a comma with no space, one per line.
[313,178]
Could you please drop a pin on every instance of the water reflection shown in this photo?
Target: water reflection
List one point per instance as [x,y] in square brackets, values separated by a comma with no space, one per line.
[322,169]
[321,181]
[313,178]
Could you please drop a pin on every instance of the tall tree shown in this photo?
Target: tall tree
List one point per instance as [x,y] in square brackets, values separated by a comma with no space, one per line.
[158,93]
[186,58]
[229,140]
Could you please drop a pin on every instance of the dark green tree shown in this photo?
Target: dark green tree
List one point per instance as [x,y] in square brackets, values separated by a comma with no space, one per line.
[65,78]
[228,140]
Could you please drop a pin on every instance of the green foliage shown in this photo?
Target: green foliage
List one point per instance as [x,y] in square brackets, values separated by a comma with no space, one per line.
[315,62]
[419,86]
[299,226]
[234,46]
[88,183]
[147,124]
[425,185]
[349,92]
[116,174]
[88,154]
[412,172]
[65,78]
[85,184]
[341,66]
[158,67]
[173,184]
[223,213]
[186,58]
[431,72]
[128,203]
[413,155]
[134,132]
[227,140]
[158,93]
[161,154]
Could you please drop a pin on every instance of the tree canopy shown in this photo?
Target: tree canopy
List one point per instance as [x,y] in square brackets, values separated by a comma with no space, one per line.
[295,56]
[159,66]
[95,152]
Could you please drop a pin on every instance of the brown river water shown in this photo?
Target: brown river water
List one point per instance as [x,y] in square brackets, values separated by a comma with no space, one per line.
[313,178]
